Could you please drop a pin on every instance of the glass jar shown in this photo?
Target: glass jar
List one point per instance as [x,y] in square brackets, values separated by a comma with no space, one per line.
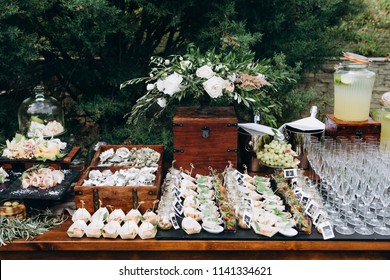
[41,115]
[13,209]
[353,84]
[385,122]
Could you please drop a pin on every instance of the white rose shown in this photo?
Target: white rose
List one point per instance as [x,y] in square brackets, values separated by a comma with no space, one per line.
[149,87]
[214,86]
[162,102]
[172,84]
[205,72]
[160,85]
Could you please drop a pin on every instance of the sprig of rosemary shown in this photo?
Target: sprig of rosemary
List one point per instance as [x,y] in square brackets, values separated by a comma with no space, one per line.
[38,223]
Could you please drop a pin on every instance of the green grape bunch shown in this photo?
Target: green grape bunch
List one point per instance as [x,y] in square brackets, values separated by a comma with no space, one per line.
[279,154]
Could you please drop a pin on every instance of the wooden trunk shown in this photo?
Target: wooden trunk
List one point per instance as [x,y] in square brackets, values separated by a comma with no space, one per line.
[335,127]
[119,197]
[205,139]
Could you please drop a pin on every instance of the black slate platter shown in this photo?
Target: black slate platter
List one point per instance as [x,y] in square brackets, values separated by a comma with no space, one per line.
[245,234]
[10,180]
[249,234]
[56,193]
[33,160]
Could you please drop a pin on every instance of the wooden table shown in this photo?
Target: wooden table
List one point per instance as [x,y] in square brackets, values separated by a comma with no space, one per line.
[55,244]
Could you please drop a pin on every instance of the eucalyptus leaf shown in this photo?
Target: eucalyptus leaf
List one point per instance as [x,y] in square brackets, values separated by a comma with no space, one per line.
[38,223]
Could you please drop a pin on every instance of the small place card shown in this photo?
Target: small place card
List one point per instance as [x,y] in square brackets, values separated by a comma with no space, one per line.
[177,192]
[178,206]
[298,193]
[319,217]
[248,201]
[174,222]
[305,199]
[294,183]
[326,229]
[238,174]
[311,208]
[240,182]
[290,173]
[247,218]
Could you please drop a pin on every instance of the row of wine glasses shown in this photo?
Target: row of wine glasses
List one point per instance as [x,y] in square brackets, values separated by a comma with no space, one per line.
[354,182]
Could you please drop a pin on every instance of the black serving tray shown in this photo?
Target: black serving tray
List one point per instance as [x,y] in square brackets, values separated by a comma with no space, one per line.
[12,176]
[14,191]
[65,152]
[249,234]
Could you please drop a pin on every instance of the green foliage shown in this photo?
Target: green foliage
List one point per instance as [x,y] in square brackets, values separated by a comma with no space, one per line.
[303,29]
[83,50]
[38,222]
[236,78]
[370,29]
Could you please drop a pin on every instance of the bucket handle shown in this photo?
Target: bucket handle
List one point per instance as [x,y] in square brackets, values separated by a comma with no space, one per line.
[249,147]
[286,135]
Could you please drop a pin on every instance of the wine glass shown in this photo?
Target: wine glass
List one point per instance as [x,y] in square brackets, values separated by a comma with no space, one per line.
[369,183]
[377,189]
[358,191]
[385,199]
[367,197]
[347,194]
[340,188]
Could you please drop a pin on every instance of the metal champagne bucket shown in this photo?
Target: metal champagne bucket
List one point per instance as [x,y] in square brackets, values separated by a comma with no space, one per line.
[296,134]
[248,144]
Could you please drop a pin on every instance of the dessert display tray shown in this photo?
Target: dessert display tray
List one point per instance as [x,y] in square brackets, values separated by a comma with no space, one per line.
[15,191]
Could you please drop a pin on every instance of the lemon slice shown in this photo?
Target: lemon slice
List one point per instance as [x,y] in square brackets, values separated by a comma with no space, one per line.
[36,119]
[347,79]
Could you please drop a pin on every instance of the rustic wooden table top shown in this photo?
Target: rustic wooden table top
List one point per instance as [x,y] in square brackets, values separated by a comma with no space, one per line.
[55,244]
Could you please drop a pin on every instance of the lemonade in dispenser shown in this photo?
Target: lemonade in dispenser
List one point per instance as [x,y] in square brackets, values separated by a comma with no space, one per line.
[385,122]
[353,84]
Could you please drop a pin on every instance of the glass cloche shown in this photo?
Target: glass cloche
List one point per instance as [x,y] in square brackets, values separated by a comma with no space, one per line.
[41,115]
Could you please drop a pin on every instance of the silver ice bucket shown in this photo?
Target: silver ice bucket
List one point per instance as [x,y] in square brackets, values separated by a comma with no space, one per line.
[249,144]
[296,138]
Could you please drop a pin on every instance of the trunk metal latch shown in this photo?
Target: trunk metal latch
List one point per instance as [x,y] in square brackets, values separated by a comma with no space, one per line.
[205,132]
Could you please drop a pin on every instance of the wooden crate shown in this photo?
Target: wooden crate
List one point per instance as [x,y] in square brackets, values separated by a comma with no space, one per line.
[335,127]
[103,148]
[121,197]
[205,139]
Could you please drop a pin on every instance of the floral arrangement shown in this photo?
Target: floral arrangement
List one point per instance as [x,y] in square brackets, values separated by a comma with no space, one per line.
[210,78]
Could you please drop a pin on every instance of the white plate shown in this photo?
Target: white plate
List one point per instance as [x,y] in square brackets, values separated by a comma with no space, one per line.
[216,230]
[290,232]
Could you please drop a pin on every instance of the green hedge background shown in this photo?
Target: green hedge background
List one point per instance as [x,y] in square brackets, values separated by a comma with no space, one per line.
[81,50]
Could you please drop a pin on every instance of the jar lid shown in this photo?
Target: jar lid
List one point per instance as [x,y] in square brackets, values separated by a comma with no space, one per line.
[386,98]
[356,57]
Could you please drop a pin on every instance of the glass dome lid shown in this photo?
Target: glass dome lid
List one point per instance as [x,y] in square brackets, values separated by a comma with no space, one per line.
[41,115]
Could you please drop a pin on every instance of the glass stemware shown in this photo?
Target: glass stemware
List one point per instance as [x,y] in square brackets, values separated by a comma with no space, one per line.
[385,199]
[358,191]
[367,197]
[377,190]
[347,194]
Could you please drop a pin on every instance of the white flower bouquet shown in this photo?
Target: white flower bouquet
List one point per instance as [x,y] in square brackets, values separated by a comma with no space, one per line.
[195,78]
